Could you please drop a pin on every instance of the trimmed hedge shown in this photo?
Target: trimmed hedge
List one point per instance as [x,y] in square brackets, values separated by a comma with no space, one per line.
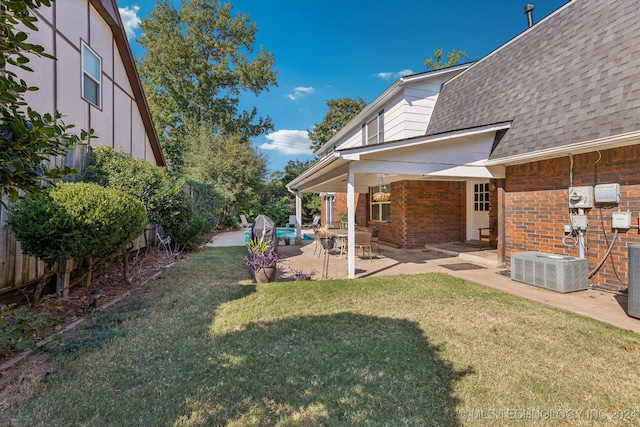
[79,220]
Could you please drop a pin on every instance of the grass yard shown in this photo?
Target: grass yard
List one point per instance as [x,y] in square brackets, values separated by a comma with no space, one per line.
[203,346]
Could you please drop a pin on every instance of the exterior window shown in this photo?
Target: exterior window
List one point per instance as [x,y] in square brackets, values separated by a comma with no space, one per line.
[481,197]
[373,131]
[380,211]
[91,76]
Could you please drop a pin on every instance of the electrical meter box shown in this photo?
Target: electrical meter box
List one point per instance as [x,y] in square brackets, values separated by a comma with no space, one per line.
[581,197]
[621,220]
[607,193]
[579,222]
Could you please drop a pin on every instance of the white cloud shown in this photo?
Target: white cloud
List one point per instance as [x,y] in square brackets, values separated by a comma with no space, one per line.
[394,75]
[130,19]
[288,143]
[299,92]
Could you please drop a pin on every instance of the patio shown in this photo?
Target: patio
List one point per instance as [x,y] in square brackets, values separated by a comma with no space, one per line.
[456,259]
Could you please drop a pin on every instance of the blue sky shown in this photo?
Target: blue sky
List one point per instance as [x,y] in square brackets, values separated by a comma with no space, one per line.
[335,49]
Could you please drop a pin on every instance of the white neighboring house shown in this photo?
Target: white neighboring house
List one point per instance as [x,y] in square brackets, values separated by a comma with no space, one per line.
[94,84]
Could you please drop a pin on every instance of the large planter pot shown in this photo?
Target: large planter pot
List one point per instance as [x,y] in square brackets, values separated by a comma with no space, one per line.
[265,274]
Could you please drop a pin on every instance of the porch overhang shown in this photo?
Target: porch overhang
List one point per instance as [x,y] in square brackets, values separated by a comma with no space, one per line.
[457,155]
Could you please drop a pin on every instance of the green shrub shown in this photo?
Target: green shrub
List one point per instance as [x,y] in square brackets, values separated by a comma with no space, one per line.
[188,233]
[165,197]
[77,220]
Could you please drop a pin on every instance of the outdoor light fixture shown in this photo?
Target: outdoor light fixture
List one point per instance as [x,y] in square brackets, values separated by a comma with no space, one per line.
[382,195]
[95,294]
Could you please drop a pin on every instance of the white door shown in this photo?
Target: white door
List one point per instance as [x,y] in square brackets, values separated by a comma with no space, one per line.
[477,207]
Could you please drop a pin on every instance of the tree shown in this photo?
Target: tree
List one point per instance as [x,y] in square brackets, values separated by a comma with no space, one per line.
[435,62]
[27,138]
[234,169]
[276,188]
[341,111]
[196,65]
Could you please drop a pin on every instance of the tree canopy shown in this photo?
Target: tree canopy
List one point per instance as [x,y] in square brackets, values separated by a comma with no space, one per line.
[436,61]
[197,62]
[341,111]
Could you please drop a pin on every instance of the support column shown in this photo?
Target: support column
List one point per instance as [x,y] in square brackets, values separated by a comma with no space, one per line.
[298,240]
[351,225]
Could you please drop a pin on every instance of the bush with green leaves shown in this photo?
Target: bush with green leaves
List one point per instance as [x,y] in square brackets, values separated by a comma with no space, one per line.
[165,197]
[79,220]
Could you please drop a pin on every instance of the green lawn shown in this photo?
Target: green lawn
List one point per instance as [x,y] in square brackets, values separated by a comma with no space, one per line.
[203,346]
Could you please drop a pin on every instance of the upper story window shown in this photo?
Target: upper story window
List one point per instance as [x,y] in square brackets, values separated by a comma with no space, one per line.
[373,130]
[91,76]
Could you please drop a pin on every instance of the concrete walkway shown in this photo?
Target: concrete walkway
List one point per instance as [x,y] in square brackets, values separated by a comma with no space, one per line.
[458,260]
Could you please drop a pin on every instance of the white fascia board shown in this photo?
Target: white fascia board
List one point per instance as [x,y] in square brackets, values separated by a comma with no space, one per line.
[606,143]
[355,153]
[388,94]
[309,173]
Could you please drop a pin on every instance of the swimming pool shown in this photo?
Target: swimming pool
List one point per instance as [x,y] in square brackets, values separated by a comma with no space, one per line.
[281,233]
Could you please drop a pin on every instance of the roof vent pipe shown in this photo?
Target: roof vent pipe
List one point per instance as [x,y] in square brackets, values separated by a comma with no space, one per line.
[528,10]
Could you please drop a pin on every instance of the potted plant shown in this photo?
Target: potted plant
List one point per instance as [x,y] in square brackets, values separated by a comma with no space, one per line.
[261,260]
[302,275]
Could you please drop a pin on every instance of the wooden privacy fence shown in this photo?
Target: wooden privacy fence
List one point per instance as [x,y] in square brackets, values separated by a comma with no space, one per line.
[18,269]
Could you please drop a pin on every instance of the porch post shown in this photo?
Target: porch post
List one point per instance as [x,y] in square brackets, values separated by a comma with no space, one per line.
[351,225]
[501,224]
[298,240]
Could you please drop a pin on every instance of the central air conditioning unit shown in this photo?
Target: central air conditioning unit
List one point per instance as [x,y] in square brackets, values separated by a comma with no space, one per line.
[558,273]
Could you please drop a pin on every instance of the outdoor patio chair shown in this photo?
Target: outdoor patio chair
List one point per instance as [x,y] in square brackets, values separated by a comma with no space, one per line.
[164,243]
[244,224]
[292,221]
[314,224]
[489,234]
[363,240]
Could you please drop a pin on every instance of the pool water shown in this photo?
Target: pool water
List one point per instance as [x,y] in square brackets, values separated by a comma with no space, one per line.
[281,233]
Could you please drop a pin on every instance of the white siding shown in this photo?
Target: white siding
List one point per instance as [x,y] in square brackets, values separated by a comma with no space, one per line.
[352,140]
[394,119]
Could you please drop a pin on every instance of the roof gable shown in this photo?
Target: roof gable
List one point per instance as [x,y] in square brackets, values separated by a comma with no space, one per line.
[401,92]
[108,10]
[570,78]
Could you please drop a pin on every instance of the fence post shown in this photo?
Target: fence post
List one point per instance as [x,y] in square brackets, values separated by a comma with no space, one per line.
[65,266]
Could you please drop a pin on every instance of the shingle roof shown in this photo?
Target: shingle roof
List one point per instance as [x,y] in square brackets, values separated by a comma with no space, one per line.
[572,77]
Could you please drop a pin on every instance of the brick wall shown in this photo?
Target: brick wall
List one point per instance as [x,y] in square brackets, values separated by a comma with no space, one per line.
[421,212]
[536,209]
[424,212]
[340,205]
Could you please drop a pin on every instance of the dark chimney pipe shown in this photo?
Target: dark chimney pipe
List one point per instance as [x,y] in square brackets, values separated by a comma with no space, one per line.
[528,10]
